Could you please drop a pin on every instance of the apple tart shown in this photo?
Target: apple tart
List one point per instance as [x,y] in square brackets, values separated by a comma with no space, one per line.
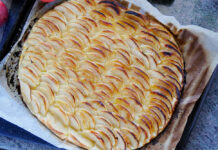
[99,75]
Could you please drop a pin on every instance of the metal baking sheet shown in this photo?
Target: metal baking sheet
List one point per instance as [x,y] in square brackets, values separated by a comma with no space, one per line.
[13,131]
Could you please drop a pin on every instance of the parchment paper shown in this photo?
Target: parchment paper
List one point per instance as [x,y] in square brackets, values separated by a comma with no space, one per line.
[200,51]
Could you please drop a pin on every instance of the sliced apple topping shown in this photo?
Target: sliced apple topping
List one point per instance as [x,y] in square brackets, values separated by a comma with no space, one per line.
[34,54]
[110,117]
[110,8]
[82,37]
[75,8]
[150,51]
[65,103]
[120,72]
[121,144]
[141,60]
[41,99]
[109,33]
[159,111]
[47,91]
[130,138]
[116,81]
[51,80]
[135,105]
[66,11]
[101,76]
[36,64]
[97,14]
[34,106]
[44,46]
[57,14]
[101,121]
[124,112]
[57,127]
[96,137]
[58,22]
[91,22]
[87,106]
[86,120]
[123,58]
[176,70]
[71,73]
[40,31]
[59,114]
[34,40]
[80,140]
[143,137]
[26,91]
[74,123]
[165,106]
[57,44]
[33,74]
[41,25]
[73,43]
[104,87]
[37,37]
[106,138]
[53,28]
[162,33]
[78,26]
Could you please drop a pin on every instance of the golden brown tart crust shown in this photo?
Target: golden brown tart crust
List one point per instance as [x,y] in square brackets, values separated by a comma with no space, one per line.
[101,76]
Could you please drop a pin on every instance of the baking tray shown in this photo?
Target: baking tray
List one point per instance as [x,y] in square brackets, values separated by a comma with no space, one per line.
[10,130]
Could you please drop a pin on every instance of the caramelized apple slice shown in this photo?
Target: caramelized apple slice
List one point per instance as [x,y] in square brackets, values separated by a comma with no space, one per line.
[110,117]
[78,139]
[26,91]
[96,137]
[130,138]
[121,144]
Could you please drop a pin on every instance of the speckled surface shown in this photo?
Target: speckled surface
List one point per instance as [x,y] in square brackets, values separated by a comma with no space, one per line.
[205,134]
[198,12]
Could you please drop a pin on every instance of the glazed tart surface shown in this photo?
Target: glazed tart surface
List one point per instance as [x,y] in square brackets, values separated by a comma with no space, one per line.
[99,75]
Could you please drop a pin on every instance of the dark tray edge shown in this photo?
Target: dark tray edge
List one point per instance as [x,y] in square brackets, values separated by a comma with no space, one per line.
[193,117]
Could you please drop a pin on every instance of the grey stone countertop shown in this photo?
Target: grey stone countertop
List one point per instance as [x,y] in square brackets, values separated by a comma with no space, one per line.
[205,133]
